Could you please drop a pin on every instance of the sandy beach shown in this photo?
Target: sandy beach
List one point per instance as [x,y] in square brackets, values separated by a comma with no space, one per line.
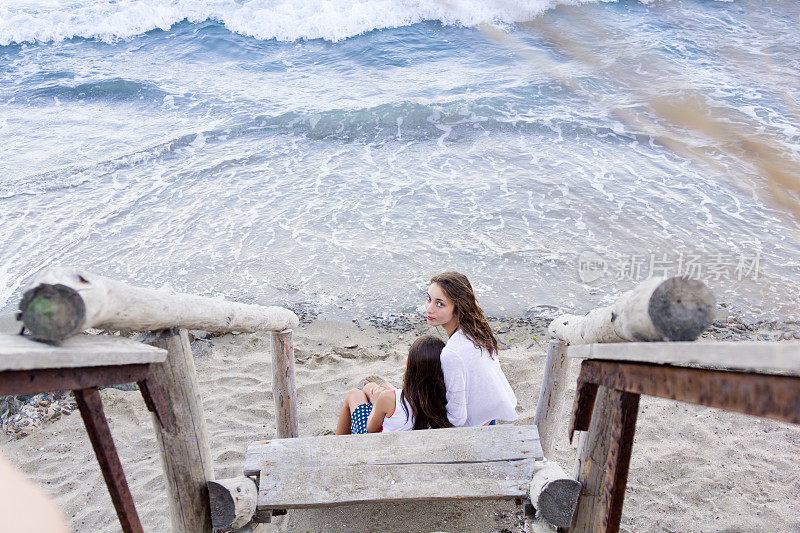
[329,156]
[693,468]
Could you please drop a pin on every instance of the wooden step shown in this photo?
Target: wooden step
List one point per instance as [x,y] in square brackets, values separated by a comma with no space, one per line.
[23,353]
[494,462]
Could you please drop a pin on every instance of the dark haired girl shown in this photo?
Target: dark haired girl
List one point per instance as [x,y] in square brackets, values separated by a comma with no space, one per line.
[422,399]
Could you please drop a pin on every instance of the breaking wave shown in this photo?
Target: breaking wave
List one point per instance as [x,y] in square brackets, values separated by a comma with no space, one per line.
[284,20]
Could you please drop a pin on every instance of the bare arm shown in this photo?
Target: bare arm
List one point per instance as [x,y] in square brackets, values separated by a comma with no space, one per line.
[383,406]
[373,386]
[23,506]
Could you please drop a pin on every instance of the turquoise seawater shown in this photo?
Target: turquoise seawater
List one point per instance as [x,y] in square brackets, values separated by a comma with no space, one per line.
[332,155]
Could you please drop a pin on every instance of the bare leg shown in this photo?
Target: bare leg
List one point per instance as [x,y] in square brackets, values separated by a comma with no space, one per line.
[354,398]
[343,424]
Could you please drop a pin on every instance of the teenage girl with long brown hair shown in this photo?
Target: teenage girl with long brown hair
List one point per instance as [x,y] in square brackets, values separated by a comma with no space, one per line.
[420,404]
[478,392]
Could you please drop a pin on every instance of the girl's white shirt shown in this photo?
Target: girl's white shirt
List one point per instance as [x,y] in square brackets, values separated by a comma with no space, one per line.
[398,421]
[477,389]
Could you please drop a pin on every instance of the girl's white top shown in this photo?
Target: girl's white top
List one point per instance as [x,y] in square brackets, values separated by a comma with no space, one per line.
[398,421]
[477,390]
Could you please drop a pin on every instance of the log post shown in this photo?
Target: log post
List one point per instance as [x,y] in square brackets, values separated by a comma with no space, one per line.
[284,390]
[603,460]
[551,397]
[675,309]
[553,493]
[185,453]
[64,301]
[233,502]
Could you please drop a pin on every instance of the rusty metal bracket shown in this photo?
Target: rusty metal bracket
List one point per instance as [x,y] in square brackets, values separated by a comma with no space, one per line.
[154,400]
[764,395]
[53,379]
[94,418]
[84,383]
[582,406]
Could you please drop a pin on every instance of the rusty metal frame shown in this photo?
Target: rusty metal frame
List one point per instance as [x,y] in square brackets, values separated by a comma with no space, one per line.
[84,383]
[91,408]
[765,395]
[618,460]
[52,379]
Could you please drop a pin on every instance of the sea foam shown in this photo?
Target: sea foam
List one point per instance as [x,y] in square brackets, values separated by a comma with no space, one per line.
[285,20]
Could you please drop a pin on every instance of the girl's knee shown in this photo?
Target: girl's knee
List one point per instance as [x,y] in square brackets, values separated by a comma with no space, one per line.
[354,393]
[355,398]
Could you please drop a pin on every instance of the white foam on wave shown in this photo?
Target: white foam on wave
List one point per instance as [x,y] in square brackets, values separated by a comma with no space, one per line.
[285,20]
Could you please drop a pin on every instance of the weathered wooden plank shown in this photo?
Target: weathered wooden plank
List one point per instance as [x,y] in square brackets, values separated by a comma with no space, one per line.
[603,462]
[768,396]
[23,353]
[298,485]
[762,357]
[489,443]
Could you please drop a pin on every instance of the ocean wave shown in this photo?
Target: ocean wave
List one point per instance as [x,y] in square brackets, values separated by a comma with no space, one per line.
[410,121]
[31,21]
[443,122]
[116,89]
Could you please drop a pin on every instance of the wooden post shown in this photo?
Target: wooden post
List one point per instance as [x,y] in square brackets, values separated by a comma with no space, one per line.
[284,390]
[551,397]
[233,502]
[604,457]
[185,453]
[553,493]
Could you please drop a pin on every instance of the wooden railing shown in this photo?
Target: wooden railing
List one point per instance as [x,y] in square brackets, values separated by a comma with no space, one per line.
[748,377]
[65,301]
[674,309]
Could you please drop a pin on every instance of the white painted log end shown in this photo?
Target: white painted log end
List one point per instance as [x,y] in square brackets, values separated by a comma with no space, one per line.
[554,494]
[539,525]
[233,502]
[674,309]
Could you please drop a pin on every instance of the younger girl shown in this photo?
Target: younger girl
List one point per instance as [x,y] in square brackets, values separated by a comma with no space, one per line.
[420,404]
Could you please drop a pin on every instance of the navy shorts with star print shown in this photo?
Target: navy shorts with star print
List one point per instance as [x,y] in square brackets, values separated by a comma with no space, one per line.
[358,420]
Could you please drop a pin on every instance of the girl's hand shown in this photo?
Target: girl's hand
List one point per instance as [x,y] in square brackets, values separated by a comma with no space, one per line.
[372,390]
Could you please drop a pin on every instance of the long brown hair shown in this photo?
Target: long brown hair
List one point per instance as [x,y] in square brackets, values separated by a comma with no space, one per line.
[423,384]
[468,313]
